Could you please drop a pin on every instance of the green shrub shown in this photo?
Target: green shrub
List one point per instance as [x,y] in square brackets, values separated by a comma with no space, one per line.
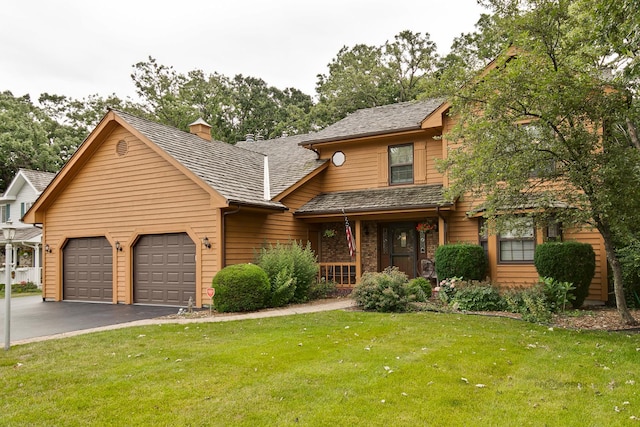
[420,283]
[557,294]
[572,262]
[629,257]
[283,287]
[241,287]
[388,291]
[531,303]
[22,287]
[321,289]
[461,260]
[478,297]
[447,289]
[300,260]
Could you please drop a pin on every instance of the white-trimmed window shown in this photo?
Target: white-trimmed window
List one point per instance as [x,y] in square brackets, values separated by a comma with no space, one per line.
[518,243]
[5,212]
[401,164]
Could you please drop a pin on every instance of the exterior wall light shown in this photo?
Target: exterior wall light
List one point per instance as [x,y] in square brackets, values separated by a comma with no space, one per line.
[206,242]
[118,246]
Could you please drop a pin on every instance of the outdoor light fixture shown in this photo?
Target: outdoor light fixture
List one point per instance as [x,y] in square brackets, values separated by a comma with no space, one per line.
[47,248]
[206,243]
[9,232]
[118,246]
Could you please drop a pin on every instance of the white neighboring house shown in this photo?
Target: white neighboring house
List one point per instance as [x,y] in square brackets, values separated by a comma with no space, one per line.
[23,190]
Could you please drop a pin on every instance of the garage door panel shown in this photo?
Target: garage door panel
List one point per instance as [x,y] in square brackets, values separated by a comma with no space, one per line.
[161,275]
[87,270]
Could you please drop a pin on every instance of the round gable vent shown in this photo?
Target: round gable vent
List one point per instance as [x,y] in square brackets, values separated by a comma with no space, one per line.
[122,148]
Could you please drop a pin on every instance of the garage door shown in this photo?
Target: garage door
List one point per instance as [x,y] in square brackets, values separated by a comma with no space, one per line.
[87,270]
[164,269]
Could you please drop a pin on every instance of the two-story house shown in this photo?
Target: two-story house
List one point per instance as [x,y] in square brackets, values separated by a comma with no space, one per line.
[24,189]
[145,213]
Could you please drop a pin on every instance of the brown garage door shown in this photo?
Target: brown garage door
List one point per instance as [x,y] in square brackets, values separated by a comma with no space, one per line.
[87,270]
[164,269]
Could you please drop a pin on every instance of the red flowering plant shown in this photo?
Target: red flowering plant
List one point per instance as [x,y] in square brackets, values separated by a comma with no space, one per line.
[427,226]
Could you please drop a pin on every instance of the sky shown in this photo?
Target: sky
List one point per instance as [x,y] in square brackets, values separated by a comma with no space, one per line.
[79,48]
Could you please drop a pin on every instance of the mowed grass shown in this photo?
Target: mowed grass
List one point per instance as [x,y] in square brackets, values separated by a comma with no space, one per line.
[334,368]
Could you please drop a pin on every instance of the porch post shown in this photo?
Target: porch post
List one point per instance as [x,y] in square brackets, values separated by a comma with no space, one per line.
[36,264]
[358,250]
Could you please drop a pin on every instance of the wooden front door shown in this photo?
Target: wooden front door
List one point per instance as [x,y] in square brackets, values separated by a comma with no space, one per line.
[399,241]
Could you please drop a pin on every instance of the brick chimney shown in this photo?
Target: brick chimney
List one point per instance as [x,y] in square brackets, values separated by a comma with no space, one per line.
[201,129]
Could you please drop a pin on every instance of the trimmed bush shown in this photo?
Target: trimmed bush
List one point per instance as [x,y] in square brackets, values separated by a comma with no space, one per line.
[572,262]
[298,259]
[388,291]
[463,260]
[241,287]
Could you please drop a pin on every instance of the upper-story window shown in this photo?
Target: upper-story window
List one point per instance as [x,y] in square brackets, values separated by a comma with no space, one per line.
[5,212]
[401,164]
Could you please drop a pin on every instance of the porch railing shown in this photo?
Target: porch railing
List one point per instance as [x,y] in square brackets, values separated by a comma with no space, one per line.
[342,273]
[24,274]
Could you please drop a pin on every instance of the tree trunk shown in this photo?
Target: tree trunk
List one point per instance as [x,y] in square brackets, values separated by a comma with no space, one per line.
[618,284]
[633,134]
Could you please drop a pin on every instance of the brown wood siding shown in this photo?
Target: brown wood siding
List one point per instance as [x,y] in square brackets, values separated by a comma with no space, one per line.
[247,232]
[366,164]
[599,285]
[123,197]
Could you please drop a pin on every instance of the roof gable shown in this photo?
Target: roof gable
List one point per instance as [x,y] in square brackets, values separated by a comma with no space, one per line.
[289,162]
[405,116]
[234,173]
[38,180]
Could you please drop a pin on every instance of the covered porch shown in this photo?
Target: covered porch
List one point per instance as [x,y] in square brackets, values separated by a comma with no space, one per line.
[399,227]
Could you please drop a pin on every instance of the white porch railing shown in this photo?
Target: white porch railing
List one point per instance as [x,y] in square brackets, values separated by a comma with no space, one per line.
[24,274]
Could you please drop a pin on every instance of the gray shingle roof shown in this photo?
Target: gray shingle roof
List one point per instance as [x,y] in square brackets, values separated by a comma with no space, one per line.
[378,120]
[235,173]
[288,161]
[38,179]
[381,199]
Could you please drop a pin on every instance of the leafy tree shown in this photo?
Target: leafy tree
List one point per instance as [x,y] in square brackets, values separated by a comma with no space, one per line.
[29,138]
[233,107]
[552,78]
[369,76]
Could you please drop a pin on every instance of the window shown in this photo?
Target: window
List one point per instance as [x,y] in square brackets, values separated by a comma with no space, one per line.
[518,244]
[5,212]
[401,164]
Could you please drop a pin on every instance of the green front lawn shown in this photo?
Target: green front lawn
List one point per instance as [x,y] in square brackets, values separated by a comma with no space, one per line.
[334,368]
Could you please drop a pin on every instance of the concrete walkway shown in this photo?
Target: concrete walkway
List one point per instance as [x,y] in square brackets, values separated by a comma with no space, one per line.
[313,307]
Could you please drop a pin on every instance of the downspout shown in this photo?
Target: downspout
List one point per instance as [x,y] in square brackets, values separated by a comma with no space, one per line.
[223,245]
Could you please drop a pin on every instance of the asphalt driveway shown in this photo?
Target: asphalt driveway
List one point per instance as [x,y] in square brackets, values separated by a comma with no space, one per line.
[31,317]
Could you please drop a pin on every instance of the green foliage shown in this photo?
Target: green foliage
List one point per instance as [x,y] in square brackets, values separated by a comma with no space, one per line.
[369,76]
[241,287]
[478,297]
[531,303]
[321,289]
[299,260]
[21,288]
[467,261]
[572,262]
[447,289]
[629,257]
[283,287]
[388,291]
[557,294]
[422,284]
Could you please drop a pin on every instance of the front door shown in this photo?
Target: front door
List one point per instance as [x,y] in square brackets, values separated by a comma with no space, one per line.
[401,247]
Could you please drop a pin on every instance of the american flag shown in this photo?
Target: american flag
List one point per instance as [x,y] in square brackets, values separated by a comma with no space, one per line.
[350,241]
